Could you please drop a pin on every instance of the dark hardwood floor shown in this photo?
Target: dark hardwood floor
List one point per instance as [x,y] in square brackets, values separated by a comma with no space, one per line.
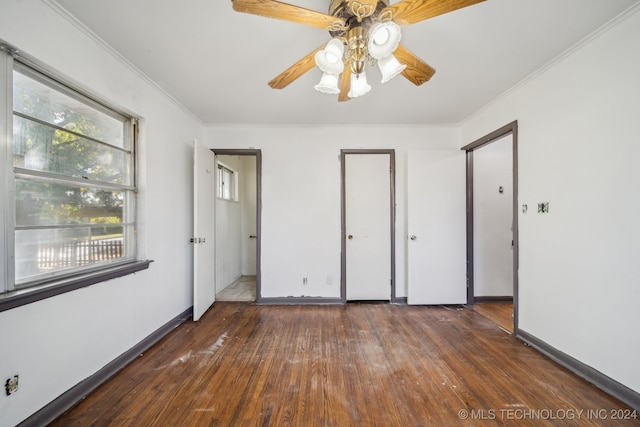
[500,312]
[354,365]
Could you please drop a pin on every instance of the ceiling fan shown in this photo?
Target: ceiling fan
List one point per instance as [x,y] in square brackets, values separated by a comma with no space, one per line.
[362,31]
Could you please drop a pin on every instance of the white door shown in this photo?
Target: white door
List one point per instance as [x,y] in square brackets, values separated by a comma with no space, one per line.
[204,193]
[436,227]
[368,226]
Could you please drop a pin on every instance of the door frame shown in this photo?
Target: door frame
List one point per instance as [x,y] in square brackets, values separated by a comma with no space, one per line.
[509,129]
[258,155]
[343,213]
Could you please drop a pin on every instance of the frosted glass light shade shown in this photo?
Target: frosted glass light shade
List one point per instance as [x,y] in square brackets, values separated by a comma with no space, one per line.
[390,67]
[329,59]
[383,39]
[328,84]
[359,85]
[334,50]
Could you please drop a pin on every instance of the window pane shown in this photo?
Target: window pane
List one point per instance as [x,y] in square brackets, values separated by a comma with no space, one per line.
[50,203]
[45,149]
[226,183]
[35,99]
[226,180]
[43,253]
[73,182]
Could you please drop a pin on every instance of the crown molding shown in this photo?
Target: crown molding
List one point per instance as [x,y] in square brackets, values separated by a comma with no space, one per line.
[635,8]
[64,13]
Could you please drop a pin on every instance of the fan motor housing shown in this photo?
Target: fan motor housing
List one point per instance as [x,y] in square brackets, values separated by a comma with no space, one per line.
[348,11]
[342,8]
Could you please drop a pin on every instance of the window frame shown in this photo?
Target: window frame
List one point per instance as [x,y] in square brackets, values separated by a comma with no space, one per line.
[234,195]
[12,294]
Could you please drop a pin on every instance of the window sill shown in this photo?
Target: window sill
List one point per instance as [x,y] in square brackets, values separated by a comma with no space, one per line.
[27,296]
[220,199]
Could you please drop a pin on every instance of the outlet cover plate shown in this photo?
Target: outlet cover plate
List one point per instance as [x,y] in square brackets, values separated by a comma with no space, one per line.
[11,386]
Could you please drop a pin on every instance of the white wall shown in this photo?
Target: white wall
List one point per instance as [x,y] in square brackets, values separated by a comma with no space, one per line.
[579,144]
[493,219]
[248,199]
[58,342]
[301,196]
[228,221]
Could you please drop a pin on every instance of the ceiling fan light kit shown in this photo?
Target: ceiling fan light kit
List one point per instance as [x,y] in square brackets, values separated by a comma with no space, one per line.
[390,67]
[329,60]
[384,38]
[328,84]
[359,85]
[362,31]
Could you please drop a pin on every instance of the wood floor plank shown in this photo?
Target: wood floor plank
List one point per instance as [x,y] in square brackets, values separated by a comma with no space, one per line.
[500,312]
[352,365]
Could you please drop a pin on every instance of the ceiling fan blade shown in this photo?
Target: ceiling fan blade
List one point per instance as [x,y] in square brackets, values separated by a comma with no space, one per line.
[407,12]
[295,71]
[345,85]
[417,71]
[287,12]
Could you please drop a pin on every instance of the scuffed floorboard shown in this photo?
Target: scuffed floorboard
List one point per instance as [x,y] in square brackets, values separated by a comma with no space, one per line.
[353,365]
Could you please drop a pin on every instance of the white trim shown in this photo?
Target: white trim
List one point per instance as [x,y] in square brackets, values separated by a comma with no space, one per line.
[331,125]
[6,176]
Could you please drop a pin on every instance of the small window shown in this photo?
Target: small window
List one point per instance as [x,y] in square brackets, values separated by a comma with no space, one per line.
[227,183]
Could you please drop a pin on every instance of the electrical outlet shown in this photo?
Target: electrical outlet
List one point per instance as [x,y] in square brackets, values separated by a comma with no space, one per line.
[305,281]
[11,386]
[329,280]
[543,207]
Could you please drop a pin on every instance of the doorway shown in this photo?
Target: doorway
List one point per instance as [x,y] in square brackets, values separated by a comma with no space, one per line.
[368,225]
[237,224]
[492,221]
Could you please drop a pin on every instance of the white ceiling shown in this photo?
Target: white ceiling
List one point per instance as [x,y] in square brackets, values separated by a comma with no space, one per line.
[217,62]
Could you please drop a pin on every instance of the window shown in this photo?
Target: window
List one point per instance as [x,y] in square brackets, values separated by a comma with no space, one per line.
[227,184]
[70,181]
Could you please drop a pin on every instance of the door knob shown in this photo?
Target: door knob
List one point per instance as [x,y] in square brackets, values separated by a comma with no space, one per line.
[413,237]
[350,237]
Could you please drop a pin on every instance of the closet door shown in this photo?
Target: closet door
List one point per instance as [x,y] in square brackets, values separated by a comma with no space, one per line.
[368,226]
[436,227]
